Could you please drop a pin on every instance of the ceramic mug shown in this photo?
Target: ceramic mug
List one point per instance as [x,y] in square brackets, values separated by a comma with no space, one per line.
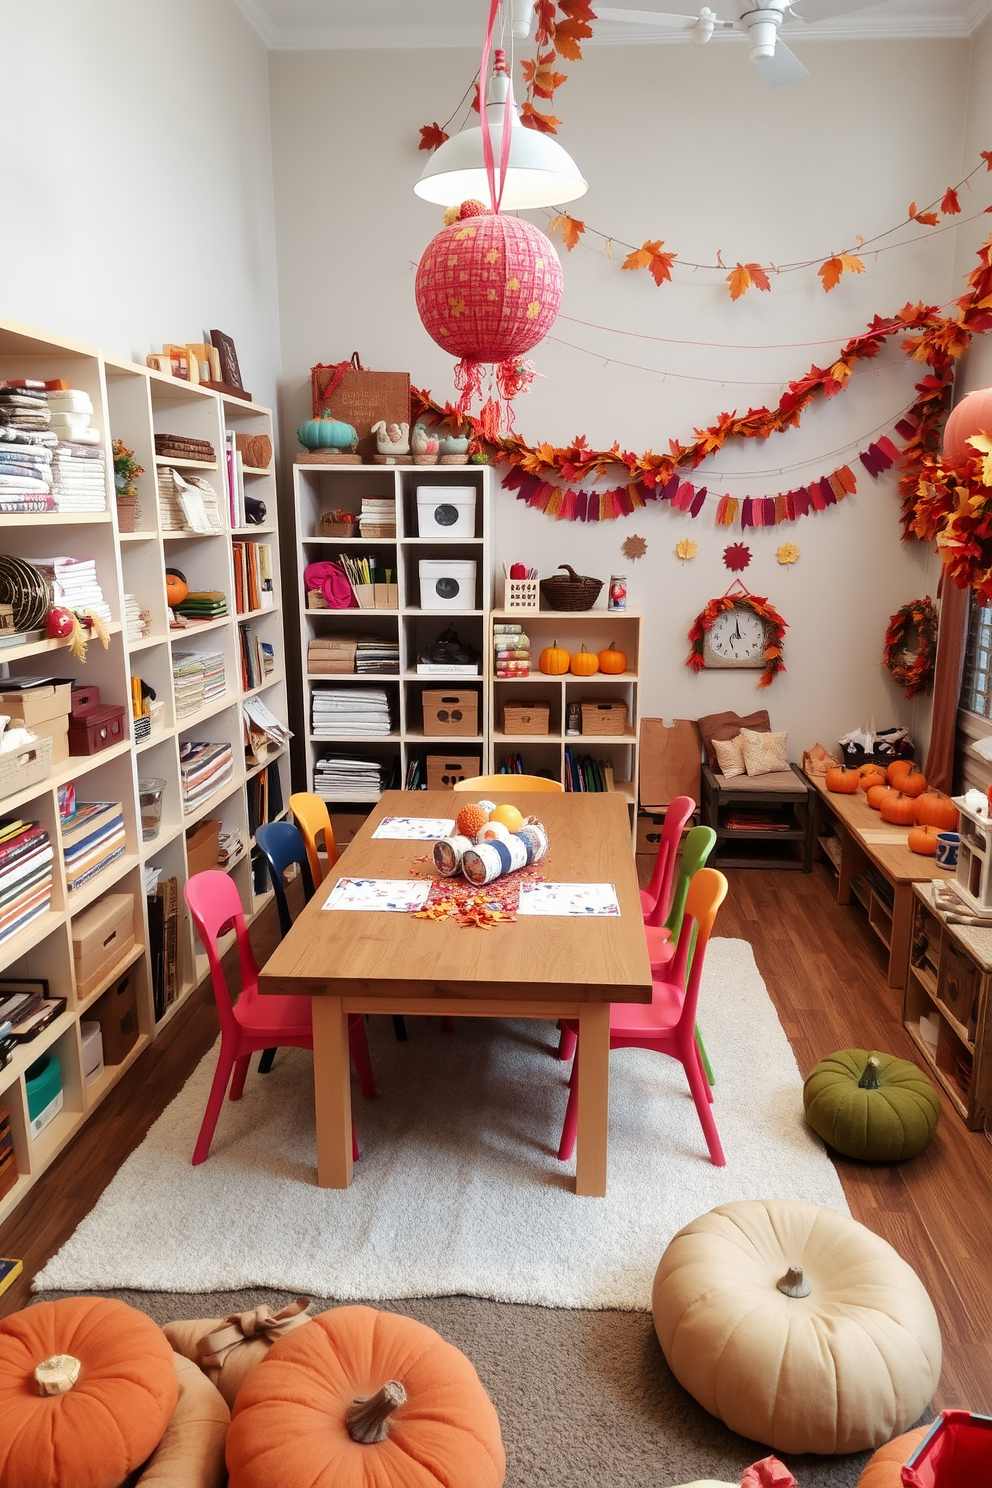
[947,849]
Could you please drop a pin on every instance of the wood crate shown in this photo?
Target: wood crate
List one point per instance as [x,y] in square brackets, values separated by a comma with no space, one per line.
[604,716]
[527,718]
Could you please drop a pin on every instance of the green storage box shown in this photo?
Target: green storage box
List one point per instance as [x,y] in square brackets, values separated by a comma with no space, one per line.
[45,1094]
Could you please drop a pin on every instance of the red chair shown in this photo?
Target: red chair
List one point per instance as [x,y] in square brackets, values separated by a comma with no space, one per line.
[252,1022]
[656,898]
[667,1023]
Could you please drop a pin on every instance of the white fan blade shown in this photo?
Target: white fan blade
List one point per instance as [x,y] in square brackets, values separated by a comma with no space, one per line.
[812,11]
[784,67]
[656,19]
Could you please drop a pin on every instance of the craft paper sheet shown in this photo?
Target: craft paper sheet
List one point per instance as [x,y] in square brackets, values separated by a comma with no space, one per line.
[414,828]
[568,899]
[398,895]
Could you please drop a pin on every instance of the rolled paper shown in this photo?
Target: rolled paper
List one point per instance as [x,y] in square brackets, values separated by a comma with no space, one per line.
[486,862]
[448,854]
[535,840]
[493,831]
[489,806]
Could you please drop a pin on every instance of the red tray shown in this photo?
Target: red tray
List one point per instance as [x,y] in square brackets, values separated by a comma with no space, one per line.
[956,1453]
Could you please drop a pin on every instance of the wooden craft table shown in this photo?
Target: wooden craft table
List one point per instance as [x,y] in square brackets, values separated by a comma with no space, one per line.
[864,840]
[536,967]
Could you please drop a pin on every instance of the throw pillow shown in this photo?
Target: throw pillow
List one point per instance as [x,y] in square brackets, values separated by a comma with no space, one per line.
[728,726]
[764,753]
[730,755]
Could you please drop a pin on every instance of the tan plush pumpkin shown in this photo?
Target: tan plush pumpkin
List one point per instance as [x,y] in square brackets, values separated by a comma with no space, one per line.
[87,1386]
[842,781]
[553,661]
[227,1349]
[360,1398]
[191,1453]
[584,663]
[846,1363]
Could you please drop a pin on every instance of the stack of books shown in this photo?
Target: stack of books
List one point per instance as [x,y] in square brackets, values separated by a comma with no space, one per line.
[75,584]
[350,712]
[25,874]
[199,679]
[163,943]
[264,797]
[338,779]
[583,773]
[254,588]
[258,659]
[512,650]
[377,656]
[203,604]
[92,839]
[9,1270]
[230,848]
[378,516]
[203,769]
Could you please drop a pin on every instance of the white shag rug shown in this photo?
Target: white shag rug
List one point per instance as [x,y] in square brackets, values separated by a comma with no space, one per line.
[458,1189]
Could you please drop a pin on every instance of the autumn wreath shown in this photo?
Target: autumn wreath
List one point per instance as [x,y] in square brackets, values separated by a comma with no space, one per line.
[760,607]
[919,618]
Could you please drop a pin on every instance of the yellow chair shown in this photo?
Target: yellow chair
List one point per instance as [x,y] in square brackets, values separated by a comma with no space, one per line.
[508,783]
[311,816]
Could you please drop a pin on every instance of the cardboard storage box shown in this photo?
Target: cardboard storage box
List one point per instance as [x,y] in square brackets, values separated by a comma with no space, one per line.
[202,846]
[527,717]
[36,704]
[345,824]
[117,1014]
[101,935]
[604,716]
[450,712]
[649,828]
[56,729]
[443,770]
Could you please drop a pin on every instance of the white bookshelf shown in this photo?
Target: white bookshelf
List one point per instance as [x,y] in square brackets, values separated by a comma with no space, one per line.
[132,403]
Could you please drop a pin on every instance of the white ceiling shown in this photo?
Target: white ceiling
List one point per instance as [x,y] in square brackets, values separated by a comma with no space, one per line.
[302,25]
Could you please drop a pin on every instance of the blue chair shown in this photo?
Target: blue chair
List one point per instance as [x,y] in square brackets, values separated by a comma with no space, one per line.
[282,846]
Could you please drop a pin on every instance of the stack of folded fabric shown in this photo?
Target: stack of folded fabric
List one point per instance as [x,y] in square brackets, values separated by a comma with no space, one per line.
[203,769]
[187,677]
[182,447]
[202,604]
[214,676]
[25,408]
[377,656]
[337,779]
[137,620]
[79,478]
[71,411]
[169,507]
[92,839]
[187,505]
[230,847]
[347,712]
[75,584]
[25,453]
[25,873]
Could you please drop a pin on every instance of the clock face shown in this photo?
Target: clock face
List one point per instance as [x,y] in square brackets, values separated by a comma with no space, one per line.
[736,638]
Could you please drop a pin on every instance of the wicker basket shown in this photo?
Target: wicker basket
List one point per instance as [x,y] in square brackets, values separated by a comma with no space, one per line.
[574,593]
[24,767]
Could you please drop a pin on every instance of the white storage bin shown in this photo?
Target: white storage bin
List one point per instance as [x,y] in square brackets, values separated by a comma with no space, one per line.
[92,1039]
[446,511]
[447,584]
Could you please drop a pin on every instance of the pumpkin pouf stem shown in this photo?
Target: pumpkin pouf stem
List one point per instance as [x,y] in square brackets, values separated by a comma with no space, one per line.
[57,1375]
[870,1079]
[794,1283]
[368,1417]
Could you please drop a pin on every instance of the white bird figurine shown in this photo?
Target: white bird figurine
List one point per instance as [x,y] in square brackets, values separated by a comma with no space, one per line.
[423,443]
[391,439]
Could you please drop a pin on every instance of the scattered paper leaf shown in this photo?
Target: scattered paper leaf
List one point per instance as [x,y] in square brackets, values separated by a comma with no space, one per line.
[927,219]
[571,229]
[737,556]
[950,205]
[634,547]
[432,137]
[787,553]
[746,276]
[543,123]
[983,443]
[831,271]
[686,549]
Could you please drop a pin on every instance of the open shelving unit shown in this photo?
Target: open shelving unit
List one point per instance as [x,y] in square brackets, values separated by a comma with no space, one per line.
[131,403]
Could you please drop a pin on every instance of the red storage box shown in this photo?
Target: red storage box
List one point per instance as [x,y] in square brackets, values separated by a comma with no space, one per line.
[957,1453]
[97,730]
[83,700]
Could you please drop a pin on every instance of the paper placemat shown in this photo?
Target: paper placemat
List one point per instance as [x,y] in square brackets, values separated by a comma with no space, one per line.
[568,899]
[881,836]
[398,895]
[414,828]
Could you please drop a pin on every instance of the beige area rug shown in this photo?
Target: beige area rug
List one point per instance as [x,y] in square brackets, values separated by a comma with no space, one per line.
[459,1190]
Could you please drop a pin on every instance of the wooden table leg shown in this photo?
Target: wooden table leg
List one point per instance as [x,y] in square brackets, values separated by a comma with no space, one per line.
[902,931]
[332,1092]
[594,1099]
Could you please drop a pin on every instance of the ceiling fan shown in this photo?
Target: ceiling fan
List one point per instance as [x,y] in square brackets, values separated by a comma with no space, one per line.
[775,63]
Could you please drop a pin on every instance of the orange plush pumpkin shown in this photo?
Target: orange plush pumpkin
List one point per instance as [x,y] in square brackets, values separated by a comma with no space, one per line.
[897,768]
[612,661]
[934,809]
[842,781]
[360,1397]
[176,587]
[911,782]
[877,794]
[923,840]
[110,1389]
[553,661]
[871,775]
[899,809]
[884,1468]
[584,663]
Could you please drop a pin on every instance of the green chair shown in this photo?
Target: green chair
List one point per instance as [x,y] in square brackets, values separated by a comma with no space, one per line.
[696,848]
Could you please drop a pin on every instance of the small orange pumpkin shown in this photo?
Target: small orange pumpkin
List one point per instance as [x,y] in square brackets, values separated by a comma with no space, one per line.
[842,781]
[934,809]
[923,840]
[899,809]
[884,1468]
[96,1428]
[897,768]
[912,782]
[612,661]
[359,1397]
[176,587]
[877,794]
[871,775]
[584,663]
[553,661]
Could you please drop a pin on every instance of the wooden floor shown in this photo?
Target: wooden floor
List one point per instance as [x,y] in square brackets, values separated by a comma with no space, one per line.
[824,969]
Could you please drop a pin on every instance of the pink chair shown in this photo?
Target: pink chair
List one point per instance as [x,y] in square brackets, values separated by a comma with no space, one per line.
[667,1023]
[656,898]
[253,1022]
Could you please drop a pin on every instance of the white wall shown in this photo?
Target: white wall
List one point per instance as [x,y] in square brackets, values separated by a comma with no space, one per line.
[137,177]
[686,145]
[976,368]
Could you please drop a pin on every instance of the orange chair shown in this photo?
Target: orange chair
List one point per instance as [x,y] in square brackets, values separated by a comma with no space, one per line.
[667,1023]
[508,783]
[313,819]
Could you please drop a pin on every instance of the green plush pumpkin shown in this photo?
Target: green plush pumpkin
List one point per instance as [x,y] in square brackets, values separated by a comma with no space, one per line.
[871,1106]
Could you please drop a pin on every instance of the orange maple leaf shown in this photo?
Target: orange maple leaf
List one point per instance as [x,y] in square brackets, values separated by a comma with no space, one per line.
[545,81]
[928,219]
[950,205]
[987,157]
[545,10]
[745,277]
[543,123]
[570,227]
[649,256]
[568,35]
[577,10]
[842,263]
[432,137]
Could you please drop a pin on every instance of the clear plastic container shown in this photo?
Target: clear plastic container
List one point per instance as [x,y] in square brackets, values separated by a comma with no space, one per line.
[150,793]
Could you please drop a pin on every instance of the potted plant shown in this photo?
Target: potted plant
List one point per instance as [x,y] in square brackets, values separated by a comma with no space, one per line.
[126,472]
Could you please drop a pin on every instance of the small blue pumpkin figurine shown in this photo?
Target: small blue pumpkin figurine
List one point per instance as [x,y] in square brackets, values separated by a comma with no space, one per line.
[327,432]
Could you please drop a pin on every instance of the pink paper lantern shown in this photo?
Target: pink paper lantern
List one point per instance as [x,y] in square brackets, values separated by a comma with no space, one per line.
[973,415]
[488,290]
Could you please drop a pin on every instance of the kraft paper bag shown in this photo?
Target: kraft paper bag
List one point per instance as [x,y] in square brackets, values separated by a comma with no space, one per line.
[669,761]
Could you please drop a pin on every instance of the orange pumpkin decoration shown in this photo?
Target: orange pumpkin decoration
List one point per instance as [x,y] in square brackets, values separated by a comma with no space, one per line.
[470,820]
[87,1388]
[553,661]
[612,661]
[911,782]
[934,809]
[899,809]
[584,663]
[842,781]
[871,775]
[176,587]
[897,768]
[973,415]
[360,1397]
[877,794]
[884,1468]
[923,840]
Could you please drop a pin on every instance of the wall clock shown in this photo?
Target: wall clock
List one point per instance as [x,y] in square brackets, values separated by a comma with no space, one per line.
[739,631]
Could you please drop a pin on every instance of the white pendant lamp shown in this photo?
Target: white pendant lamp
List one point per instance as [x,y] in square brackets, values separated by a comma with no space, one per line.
[539,172]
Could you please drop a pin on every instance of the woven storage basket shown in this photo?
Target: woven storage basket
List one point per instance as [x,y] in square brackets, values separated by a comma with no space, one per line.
[526,718]
[577,592]
[23,767]
[604,716]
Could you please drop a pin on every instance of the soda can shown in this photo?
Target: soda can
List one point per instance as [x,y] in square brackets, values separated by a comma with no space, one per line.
[448,854]
[618,592]
[535,841]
